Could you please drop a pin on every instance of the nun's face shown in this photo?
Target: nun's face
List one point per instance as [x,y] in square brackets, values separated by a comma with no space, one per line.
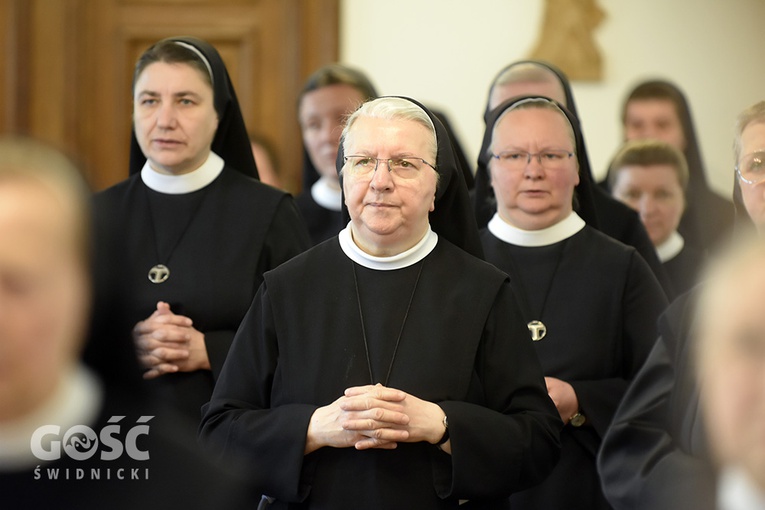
[44,295]
[753,140]
[322,115]
[533,196]
[551,88]
[655,192]
[732,370]
[389,214]
[654,119]
[174,116]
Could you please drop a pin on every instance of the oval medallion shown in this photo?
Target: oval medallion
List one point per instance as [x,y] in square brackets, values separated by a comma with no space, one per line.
[159,273]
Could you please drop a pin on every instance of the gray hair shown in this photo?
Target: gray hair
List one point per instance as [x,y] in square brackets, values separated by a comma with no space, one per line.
[393,108]
[753,114]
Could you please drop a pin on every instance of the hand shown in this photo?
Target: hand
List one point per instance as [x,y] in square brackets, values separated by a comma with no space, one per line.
[369,419]
[168,343]
[425,419]
[563,396]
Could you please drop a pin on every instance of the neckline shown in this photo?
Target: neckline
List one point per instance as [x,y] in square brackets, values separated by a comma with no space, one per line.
[327,196]
[185,183]
[556,233]
[399,261]
[670,248]
[76,401]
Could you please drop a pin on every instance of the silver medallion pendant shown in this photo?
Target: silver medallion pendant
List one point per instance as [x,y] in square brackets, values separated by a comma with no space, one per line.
[538,330]
[159,273]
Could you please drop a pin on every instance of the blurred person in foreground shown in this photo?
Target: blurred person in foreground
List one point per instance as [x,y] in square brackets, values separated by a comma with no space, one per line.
[74,435]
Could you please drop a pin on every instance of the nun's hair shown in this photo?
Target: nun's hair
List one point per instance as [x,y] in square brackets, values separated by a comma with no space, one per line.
[648,153]
[658,90]
[172,52]
[337,74]
[24,159]
[394,108]
[539,103]
[753,114]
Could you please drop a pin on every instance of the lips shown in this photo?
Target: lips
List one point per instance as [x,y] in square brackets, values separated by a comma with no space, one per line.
[166,142]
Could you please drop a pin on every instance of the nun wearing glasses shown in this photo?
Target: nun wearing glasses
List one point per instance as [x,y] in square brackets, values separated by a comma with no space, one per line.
[388,367]
[590,303]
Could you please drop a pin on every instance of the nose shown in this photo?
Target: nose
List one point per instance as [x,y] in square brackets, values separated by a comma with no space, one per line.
[647,205]
[381,177]
[166,118]
[534,168]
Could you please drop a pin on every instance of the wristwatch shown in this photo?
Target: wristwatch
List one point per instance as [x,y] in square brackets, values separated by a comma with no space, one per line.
[577,420]
[445,437]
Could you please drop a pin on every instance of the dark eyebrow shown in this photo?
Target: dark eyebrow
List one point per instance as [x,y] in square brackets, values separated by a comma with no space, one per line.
[183,93]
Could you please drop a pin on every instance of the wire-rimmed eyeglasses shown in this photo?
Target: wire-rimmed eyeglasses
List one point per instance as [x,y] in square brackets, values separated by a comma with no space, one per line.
[405,168]
[518,160]
[751,168]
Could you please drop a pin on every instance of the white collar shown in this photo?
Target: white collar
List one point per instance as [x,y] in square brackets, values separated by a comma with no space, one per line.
[671,247]
[328,196]
[184,183]
[399,261]
[736,491]
[76,401]
[535,238]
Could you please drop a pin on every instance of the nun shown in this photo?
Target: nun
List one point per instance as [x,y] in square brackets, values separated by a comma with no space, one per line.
[597,207]
[658,109]
[183,243]
[590,303]
[329,95]
[413,381]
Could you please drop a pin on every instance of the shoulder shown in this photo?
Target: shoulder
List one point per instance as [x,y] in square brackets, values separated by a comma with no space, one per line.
[118,191]
[246,185]
[316,262]
[464,265]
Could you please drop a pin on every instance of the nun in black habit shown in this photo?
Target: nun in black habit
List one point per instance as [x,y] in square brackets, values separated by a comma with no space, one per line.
[590,302]
[183,243]
[596,207]
[388,367]
[708,217]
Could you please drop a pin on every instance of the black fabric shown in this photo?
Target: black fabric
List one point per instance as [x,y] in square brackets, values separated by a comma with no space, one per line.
[459,152]
[322,223]
[684,269]
[231,141]
[605,213]
[655,454]
[294,353]
[242,229]
[708,217]
[600,311]
[453,216]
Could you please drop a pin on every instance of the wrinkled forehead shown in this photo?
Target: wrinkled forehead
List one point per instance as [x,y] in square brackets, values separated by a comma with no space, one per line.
[375,136]
[549,122]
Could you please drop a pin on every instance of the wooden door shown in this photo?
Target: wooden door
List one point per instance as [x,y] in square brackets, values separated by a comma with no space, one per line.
[67,72]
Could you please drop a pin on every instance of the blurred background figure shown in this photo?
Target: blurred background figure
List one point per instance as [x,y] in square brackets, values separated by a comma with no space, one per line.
[651,176]
[658,110]
[45,299]
[328,97]
[731,373]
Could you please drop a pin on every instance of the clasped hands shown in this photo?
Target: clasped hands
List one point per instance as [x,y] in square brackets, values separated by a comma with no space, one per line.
[168,343]
[375,417]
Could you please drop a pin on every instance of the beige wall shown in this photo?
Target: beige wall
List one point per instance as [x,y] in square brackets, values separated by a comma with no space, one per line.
[445,53]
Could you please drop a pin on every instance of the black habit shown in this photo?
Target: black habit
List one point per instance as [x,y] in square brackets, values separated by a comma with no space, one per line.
[464,346]
[599,302]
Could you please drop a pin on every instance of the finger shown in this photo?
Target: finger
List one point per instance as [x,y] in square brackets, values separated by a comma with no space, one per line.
[171,334]
[377,391]
[366,444]
[171,318]
[161,369]
[385,434]
[366,403]
[375,418]
[163,354]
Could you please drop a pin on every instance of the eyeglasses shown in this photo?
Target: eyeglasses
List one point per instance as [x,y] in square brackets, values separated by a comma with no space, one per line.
[751,169]
[518,160]
[405,168]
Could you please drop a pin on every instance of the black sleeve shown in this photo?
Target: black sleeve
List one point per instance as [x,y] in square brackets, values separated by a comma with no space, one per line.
[642,303]
[641,462]
[239,422]
[511,441]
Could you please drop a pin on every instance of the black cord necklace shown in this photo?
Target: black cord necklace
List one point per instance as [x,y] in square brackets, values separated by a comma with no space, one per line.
[401,331]
[537,328]
[160,272]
